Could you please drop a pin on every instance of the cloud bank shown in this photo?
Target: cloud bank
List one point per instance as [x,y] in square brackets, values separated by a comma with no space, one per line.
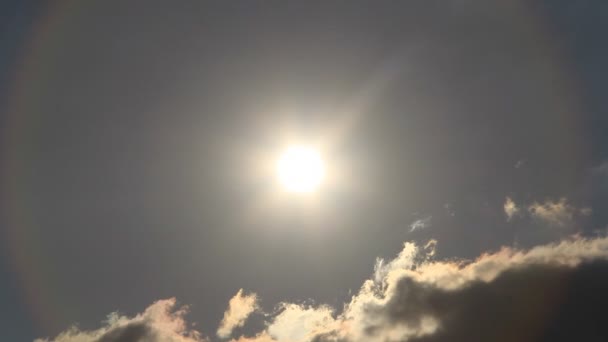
[549,293]
[554,292]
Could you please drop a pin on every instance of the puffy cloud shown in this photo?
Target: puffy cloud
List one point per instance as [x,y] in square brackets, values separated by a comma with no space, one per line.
[239,308]
[161,321]
[421,224]
[549,293]
[299,323]
[553,292]
[510,208]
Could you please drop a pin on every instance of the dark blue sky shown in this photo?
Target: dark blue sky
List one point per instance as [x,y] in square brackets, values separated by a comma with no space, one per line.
[128,129]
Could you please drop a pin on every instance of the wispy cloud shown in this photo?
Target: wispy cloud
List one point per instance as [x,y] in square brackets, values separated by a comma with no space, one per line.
[557,213]
[239,308]
[421,224]
[510,208]
[601,169]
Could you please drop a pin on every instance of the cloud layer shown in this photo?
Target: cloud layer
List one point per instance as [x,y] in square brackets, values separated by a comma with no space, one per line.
[554,292]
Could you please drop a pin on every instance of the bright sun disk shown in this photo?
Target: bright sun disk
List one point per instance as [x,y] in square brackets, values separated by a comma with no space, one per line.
[300,169]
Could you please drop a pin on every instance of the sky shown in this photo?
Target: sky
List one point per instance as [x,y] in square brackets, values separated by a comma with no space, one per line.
[465,142]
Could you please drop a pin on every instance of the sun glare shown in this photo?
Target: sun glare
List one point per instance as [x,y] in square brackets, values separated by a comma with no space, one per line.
[300,169]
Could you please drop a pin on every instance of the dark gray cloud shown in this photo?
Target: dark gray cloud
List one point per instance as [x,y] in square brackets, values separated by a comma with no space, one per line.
[133,332]
[538,302]
[553,292]
[535,303]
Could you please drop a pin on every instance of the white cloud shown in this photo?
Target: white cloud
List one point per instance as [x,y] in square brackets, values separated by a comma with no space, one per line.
[421,224]
[557,213]
[510,208]
[412,298]
[553,212]
[300,323]
[239,308]
[160,322]
[416,298]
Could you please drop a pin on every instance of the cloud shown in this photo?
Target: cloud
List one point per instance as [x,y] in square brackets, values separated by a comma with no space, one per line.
[601,169]
[263,337]
[161,321]
[510,208]
[557,213]
[449,210]
[239,308]
[421,224]
[299,323]
[553,292]
[553,212]
[586,211]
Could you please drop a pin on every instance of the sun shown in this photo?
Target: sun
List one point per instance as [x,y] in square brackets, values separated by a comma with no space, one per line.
[300,169]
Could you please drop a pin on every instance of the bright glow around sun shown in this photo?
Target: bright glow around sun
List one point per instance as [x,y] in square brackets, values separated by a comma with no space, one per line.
[300,169]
